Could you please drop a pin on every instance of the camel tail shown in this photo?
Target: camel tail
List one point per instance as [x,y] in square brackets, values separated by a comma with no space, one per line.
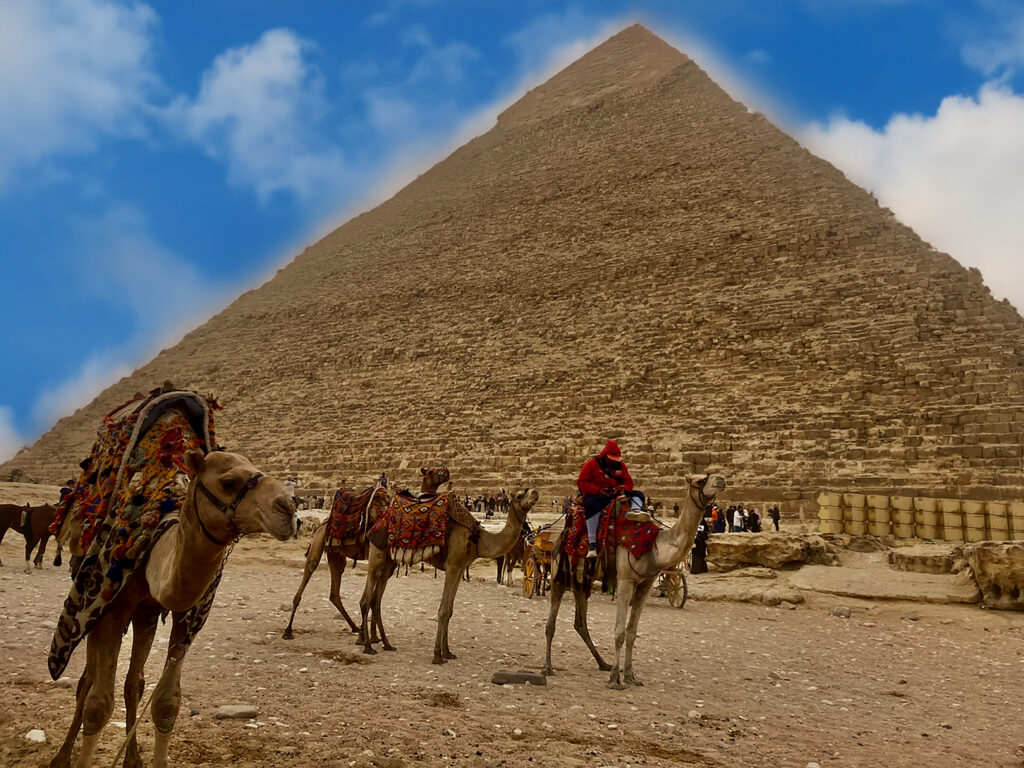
[58,560]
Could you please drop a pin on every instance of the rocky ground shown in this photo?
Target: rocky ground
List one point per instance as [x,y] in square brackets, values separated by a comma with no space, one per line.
[834,681]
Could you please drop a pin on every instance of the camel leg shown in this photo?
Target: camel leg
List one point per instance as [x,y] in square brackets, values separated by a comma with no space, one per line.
[63,758]
[103,646]
[452,578]
[167,696]
[580,623]
[378,620]
[143,631]
[639,601]
[30,542]
[557,592]
[373,591]
[624,597]
[500,561]
[336,562]
[316,551]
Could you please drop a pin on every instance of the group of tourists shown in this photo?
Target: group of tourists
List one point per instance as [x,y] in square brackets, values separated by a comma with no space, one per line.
[738,518]
[488,506]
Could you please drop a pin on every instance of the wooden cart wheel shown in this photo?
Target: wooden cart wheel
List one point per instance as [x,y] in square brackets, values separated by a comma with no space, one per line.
[529,576]
[675,589]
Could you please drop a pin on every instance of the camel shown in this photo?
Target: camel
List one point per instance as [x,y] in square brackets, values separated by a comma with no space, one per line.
[635,578]
[36,532]
[507,562]
[226,497]
[372,507]
[461,548]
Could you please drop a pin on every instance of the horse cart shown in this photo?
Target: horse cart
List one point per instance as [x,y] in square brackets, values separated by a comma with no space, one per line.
[537,562]
[672,584]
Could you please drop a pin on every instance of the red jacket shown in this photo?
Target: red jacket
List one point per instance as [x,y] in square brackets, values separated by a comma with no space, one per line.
[593,479]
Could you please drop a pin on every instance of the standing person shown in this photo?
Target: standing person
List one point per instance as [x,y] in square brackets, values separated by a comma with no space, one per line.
[737,520]
[720,522]
[675,509]
[773,513]
[754,521]
[699,553]
[601,479]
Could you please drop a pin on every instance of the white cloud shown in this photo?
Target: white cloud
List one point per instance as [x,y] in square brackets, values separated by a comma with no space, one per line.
[258,110]
[1000,50]
[10,440]
[98,373]
[73,72]
[956,178]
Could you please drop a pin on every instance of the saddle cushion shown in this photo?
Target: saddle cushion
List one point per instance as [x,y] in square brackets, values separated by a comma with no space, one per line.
[345,524]
[414,529]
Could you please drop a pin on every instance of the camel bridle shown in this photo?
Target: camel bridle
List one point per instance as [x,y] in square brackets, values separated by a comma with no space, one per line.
[228,510]
[702,501]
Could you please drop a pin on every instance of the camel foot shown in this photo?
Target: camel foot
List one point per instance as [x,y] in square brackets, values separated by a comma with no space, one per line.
[631,679]
[39,566]
[28,568]
[449,655]
[604,666]
[369,650]
[439,660]
[288,635]
[388,647]
[616,685]
[133,760]
[61,760]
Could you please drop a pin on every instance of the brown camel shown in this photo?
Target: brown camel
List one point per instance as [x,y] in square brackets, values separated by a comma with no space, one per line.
[226,497]
[508,561]
[36,532]
[635,578]
[371,507]
[461,547]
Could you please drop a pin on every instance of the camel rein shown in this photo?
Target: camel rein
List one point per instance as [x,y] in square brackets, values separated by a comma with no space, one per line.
[702,502]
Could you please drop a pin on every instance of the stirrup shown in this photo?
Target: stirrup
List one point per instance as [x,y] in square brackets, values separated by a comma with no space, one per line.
[638,516]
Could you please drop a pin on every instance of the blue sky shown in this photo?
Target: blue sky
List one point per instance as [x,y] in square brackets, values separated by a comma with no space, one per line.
[157,160]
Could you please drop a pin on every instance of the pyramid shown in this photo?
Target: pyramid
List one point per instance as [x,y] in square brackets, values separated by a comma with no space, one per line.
[627,253]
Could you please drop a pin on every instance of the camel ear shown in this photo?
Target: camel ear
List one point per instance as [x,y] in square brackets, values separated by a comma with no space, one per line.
[423,470]
[195,463]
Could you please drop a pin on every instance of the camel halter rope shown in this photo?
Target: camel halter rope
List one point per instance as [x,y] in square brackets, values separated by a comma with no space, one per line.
[226,509]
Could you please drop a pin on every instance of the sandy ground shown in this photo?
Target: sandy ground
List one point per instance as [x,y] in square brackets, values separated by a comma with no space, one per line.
[726,683]
[29,493]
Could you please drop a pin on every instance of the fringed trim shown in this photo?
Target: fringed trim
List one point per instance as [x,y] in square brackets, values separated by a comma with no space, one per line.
[412,556]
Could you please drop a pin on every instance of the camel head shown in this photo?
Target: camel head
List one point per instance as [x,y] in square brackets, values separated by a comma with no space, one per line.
[433,478]
[232,497]
[704,488]
[523,502]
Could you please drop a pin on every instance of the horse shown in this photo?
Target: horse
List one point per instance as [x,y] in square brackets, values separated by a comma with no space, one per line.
[37,531]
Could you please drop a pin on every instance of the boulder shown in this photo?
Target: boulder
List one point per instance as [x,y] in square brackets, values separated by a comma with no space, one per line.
[999,572]
[507,677]
[771,550]
[925,558]
[237,712]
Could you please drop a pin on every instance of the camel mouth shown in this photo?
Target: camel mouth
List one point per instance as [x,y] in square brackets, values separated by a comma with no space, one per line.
[280,523]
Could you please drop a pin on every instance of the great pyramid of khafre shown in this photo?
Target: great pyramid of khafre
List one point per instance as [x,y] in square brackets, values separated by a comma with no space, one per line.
[628,253]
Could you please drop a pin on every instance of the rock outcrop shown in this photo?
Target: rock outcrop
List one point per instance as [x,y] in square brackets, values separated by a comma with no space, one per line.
[998,569]
[771,550]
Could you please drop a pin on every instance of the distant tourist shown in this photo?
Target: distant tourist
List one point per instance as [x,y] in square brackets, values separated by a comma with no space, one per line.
[773,513]
[737,519]
[699,553]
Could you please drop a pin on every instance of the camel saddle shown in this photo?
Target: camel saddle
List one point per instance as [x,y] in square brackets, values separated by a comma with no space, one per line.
[348,521]
[615,530]
[415,528]
[128,494]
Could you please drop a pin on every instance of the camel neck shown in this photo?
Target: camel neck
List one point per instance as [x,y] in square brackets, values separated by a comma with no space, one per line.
[497,544]
[674,543]
[184,562]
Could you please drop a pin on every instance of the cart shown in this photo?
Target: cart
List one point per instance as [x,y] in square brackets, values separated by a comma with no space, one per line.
[672,584]
[537,563]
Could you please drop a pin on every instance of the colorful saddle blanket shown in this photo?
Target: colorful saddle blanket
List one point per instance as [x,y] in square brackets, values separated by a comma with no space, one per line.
[348,516]
[128,494]
[414,529]
[614,531]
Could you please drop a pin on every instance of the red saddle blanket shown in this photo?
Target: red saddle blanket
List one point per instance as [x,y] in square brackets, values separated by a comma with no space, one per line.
[417,526]
[614,531]
[348,511]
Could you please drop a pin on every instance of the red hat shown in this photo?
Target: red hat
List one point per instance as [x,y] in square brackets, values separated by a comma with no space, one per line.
[611,451]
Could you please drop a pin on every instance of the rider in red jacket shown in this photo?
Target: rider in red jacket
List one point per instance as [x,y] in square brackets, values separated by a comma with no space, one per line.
[602,478]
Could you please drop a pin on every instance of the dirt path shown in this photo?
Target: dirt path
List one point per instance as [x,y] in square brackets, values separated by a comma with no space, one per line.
[727,684]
